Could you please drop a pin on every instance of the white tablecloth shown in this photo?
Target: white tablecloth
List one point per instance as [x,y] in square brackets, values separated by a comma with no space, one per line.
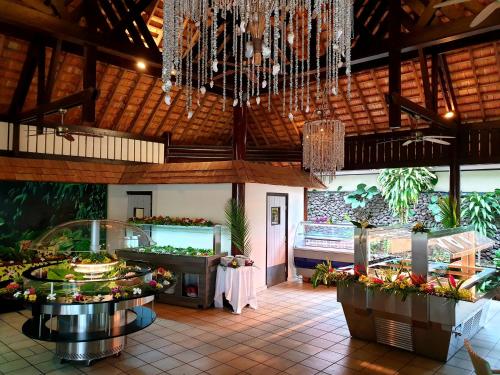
[238,286]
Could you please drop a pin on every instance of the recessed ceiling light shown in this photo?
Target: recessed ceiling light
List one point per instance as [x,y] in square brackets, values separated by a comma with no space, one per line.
[141,65]
[449,114]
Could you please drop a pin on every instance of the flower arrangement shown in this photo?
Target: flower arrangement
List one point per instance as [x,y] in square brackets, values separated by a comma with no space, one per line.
[163,276]
[167,220]
[419,228]
[399,282]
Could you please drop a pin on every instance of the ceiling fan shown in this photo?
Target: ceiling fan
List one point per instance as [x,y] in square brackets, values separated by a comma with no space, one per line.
[485,13]
[65,132]
[420,137]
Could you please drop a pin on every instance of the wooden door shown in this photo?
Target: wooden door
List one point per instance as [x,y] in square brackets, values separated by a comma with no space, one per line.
[277,239]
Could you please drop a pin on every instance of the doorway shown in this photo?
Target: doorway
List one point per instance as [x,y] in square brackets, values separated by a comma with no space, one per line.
[276,238]
[140,204]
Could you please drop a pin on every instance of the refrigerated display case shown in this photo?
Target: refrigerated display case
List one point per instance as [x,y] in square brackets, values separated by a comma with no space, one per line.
[425,323]
[315,243]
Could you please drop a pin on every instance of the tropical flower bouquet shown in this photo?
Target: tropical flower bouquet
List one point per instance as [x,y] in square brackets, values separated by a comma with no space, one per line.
[392,281]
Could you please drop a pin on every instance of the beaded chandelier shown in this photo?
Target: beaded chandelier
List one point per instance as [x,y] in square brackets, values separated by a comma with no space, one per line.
[323,145]
[265,44]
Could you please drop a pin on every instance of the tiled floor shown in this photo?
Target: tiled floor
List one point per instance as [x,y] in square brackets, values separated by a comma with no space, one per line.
[296,330]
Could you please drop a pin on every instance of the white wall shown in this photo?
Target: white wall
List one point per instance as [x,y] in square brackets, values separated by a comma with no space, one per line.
[194,201]
[481,180]
[255,205]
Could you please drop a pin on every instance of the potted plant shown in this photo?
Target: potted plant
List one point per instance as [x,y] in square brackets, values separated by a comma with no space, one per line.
[239,226]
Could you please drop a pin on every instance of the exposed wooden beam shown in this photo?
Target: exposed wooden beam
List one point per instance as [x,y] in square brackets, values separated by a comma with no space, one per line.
[25,78]
[257,123]
[349,110]
[394,61]
[53,67]
[476,84]
[282,122]
[434,81]
[427,15]
[69,101]
[203,123]
[381,96]
[424,71]
[415,109]
[443,63]
[89,81]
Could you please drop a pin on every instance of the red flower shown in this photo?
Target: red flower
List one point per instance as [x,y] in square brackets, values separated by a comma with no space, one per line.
[359,270]
[429,288]
[331,270]
[452,281]
[417,279]
[376,280]
[160,271]
[13,286]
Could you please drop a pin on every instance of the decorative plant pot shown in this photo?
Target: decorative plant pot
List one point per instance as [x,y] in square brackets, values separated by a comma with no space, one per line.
[353,294]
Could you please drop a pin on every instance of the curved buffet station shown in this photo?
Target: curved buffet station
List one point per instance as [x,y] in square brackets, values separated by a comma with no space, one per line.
[88,303]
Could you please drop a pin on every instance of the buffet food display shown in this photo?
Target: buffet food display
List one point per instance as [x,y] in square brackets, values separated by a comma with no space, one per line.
[88,302]
[190,254]
[417,290]
[317,242]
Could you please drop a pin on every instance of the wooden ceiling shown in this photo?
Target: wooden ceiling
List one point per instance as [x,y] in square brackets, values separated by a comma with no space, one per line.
[132,101]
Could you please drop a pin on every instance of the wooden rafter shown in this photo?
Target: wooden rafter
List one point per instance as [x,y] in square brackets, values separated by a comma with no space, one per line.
[443,64]
[257,123]
[373,76]
[476,83]
[167,113]
[364,103]
[142,105]
[203,123]
[195,114]
[152,114]
[118,116]
[349,110]
[426,84]
[281,121]
[417,80]
[109,97]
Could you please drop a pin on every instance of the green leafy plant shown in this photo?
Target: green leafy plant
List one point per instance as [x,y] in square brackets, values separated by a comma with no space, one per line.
[239,226]
[497,259]
[482,210]
[361,196]
[444,210]
[401,188]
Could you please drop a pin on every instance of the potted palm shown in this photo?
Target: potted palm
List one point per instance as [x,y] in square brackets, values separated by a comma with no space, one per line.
[239,226]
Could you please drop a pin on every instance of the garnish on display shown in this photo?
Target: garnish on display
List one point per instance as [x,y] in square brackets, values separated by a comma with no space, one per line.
[233,264]
[190,251]
[167,220]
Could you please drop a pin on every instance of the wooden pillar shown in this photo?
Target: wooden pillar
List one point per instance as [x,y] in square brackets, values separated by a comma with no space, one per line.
[394,61]
[89,81]
[40,92]
[240,127]
[166,146]
[455,174]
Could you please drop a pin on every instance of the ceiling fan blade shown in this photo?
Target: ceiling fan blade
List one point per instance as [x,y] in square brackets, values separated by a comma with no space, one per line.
[85,134]
[433,140]
[409,141]
[68,137]
[449,2]
[439,136]
[485,13]
[383,142]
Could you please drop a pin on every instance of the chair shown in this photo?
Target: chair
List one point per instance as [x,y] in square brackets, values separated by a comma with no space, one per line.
[481,366]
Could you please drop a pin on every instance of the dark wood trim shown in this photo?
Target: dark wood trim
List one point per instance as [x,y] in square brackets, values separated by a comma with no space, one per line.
[89,82]
[240,130]
[70,101]
[286,230]
[394,62]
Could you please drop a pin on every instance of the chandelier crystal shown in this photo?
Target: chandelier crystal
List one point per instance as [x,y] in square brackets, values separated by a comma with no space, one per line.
[323,145]
[266,44]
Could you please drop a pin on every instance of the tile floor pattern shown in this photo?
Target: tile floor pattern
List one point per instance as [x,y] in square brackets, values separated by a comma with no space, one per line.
[296,330]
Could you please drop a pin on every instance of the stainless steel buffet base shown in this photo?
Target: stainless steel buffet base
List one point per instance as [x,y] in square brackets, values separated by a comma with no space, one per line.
[91,331]
[426,325]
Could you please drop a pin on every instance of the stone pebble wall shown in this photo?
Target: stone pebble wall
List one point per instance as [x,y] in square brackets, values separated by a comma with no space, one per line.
[331,204]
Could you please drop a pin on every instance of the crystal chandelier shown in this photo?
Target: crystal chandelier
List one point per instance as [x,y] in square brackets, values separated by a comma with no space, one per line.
[265,44]
[323,145]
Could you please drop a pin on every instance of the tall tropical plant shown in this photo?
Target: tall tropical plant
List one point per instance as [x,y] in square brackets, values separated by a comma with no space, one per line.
[361,196]
[482,210]
[401,188]
[239,226]
[445,211]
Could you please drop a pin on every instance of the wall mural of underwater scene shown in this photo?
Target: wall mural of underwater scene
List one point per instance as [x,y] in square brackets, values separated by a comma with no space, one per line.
[28,209]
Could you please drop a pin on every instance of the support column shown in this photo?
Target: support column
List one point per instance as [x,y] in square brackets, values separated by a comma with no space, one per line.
[455,174]
[394,62]
[166,146]
[239,153]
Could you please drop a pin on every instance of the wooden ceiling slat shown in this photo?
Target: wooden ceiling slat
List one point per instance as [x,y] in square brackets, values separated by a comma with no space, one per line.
[142,106]
[119,114]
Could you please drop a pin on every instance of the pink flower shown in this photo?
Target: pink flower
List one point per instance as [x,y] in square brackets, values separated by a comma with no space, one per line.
[452,281]
[153,283]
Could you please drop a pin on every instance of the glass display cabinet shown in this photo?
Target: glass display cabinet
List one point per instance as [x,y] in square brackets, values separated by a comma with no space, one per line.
[191,253]
[315,243]
[432,323]
[90,301]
